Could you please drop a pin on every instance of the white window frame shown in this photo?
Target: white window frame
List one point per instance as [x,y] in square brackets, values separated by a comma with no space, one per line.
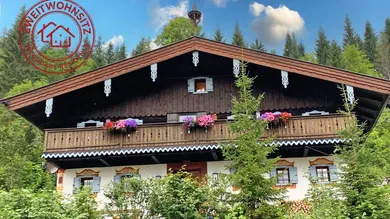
[192,87]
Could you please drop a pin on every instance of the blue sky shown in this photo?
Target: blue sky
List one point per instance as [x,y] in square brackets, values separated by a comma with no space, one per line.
[129,20]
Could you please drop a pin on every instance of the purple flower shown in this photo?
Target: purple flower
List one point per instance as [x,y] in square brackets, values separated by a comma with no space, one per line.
[130,123]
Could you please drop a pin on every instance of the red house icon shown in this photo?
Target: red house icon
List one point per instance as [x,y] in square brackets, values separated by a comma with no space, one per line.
[46,27]
[60,37]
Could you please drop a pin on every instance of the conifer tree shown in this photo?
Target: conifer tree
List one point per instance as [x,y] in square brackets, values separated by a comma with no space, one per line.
[122,53]
[98,53]
[387,30]
[238,37]
[287,51]
[335,55]
[349,33]
[258,45]
[142,46]
[370,42]
[301,50]
[273,51]
[322,47]
[218,36]
[294,47]
[109,54]
[250,162]
[359,42]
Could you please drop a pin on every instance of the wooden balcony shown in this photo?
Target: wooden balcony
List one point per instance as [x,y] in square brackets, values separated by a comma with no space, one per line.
[73,139]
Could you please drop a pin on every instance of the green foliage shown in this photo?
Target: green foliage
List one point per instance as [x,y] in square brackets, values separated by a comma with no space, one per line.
[98,54]
[142,47]
[177,29]
[218,36]
[258,45]
[349,33]
[273,51]
[309,57]
[322,48]
[300,50]
[109,55]
[382,61]
[82,205]
[129,199]
[370,42]
[355,60]
[121,53]
[178,196]
[335,52]
[238,37]
[291,47]
[364,165]
[250,157]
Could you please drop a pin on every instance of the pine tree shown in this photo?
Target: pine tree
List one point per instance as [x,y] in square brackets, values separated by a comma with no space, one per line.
[15,68]
[98,54]
[218,36]
[359,42]
[387,30]
[287,51]
[370,42]
[258,45]
[273,51]
[110,54]
[294,47]
[238,37]
[322,47]
[335,55]
[122,53]
[349,33]
[301,50]
[142,46]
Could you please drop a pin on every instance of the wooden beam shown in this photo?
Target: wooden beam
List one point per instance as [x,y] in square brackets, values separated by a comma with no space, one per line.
[104,162]
[215,156]
[369,103]
[366,111]
[155,159]
[305,151]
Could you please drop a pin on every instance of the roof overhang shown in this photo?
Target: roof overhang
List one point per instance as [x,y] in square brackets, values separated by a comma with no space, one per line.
[203,45]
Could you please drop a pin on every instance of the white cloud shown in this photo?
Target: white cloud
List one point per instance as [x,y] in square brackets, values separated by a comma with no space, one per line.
[256,8]
[221,3]
[276,22]
[115,40]
[153,45]
[162,15]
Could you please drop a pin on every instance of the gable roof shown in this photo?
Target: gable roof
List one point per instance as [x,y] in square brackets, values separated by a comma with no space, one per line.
[203,45]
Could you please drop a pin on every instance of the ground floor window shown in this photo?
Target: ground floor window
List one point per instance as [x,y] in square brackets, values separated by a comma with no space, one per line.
[283,176]
[323,174]
[87,182]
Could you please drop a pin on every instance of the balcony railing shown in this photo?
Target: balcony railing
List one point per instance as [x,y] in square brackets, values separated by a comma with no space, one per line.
[76,139]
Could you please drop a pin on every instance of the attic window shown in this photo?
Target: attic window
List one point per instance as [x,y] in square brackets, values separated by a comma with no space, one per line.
[200,85]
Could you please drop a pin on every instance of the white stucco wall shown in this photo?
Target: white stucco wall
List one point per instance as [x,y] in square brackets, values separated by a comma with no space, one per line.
[107,176]
[147,171]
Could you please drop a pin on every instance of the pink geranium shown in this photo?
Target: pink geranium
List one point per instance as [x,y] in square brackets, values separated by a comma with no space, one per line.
[206,121]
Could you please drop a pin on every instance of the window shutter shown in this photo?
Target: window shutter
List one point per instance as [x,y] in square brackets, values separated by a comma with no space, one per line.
[96,184]
[273,173]
[293,175]
[313,173]
[191,85]
[209,84]
[117,179]
[76,184]
[333,173]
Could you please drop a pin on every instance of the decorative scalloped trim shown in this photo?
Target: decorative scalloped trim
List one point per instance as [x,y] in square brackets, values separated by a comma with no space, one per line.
[126,170]
[283,162]
[88,172]
[321,160]
[177,149]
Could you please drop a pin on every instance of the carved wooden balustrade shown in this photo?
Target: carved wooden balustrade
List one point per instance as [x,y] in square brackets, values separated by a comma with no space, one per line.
[73,139]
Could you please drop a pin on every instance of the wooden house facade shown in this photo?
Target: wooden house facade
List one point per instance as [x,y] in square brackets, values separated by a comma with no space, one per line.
[192,78]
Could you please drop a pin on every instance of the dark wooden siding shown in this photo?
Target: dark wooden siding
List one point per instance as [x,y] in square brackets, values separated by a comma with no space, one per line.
[173,97]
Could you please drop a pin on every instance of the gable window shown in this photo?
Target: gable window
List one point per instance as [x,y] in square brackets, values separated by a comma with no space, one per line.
[200,85]
[323,174]
[323,171]
[283,176]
